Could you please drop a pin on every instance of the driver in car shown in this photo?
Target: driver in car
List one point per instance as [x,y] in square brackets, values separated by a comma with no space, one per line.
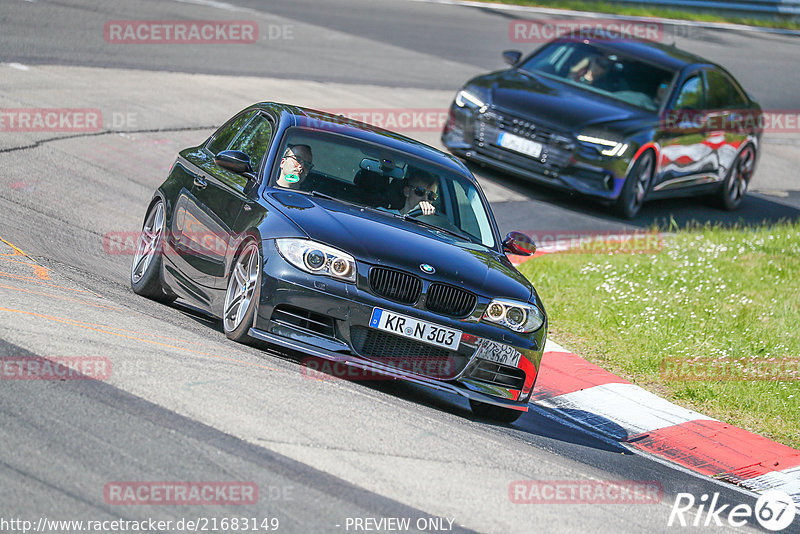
[420,191]
[296,163]
[591,70]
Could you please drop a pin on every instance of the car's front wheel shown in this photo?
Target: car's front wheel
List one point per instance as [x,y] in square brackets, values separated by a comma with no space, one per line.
[736,182]
[146,266]
[637,183]
[495,413]
[242,293]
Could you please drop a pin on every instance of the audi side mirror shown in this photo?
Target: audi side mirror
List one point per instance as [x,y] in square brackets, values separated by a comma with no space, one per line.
[234,161]
[512,57]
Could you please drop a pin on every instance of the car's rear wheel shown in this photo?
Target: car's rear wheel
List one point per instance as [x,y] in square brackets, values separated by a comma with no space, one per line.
[146,266]
[738,179]
[636,186]
[495,413]
[242,293]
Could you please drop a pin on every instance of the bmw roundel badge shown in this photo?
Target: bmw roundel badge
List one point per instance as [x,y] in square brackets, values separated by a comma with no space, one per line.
[427,268]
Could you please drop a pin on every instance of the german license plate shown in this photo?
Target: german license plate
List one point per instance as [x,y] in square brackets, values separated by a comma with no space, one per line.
[498,352]
[520,144]
[409,327]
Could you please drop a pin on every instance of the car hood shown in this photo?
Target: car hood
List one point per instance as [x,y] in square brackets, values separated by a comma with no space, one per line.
[560,104]
[383,239]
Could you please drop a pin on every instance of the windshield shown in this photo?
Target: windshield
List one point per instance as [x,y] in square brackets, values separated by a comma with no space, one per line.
[596,69]
[354,171]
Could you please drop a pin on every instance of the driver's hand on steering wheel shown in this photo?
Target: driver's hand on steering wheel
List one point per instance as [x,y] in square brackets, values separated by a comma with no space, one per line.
[426,207]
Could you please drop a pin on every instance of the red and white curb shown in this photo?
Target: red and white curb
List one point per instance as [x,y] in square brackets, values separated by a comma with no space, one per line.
[592,397]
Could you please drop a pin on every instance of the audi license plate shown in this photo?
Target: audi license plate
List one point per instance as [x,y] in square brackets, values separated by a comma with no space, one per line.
[409,327]
[520,144]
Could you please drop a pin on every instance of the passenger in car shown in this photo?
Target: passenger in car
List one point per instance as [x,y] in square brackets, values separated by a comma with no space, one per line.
[296,163]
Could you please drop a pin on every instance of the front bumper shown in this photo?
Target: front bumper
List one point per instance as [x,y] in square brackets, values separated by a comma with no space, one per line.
[563,164]
[329,319]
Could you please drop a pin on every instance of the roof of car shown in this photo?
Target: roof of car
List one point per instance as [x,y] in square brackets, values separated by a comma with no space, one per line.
[338,123]
[656,53]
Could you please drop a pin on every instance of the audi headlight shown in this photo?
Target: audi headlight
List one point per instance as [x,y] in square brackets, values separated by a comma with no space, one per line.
[317,258]
[514,315]
[471,98]
[607,147]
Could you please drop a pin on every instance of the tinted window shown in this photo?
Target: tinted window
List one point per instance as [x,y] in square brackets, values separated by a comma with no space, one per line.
[225,134]
[603,71]
[254,139]
[690,95]
[722,94]
[373,176]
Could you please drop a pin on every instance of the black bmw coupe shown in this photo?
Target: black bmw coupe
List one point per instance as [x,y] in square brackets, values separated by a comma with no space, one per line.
[622,121]
[345,242]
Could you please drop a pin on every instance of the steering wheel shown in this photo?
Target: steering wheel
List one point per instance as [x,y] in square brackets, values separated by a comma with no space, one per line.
[417,211]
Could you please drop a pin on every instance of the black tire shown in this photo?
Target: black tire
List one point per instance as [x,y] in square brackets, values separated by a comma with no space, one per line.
[734,187]
[495,413]
[242,293]
[146,264]
[636,187]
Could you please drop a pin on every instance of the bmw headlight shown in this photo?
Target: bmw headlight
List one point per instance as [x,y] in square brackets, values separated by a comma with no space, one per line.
[317,258]
[514,315]
[607,147]
[471,97]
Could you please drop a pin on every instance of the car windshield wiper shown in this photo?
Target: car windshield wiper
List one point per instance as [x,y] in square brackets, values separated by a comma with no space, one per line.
[321,195]
[435,227]
[348,202]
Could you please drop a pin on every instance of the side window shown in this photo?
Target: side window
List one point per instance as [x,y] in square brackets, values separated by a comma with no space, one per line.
[472,216]
[690,95]
[254,140]
[721,93]
[225,134]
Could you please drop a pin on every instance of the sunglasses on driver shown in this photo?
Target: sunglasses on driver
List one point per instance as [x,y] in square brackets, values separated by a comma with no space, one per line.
[433,196]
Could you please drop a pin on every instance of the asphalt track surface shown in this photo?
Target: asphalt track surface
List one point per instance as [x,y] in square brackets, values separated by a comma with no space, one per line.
[185,404]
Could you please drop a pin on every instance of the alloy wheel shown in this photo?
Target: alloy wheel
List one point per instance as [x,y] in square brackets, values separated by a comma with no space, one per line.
[241,287]
[642,177]
[148,243]
[740,175]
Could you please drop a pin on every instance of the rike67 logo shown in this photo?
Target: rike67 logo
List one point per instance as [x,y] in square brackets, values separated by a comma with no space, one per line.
[774,510]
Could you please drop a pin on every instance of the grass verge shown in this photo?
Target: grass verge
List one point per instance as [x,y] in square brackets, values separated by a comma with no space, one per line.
[709,321]
[786,23]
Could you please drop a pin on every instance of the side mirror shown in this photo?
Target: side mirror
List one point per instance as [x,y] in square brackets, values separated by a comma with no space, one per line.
[512,57]
[234,161]
[519,244]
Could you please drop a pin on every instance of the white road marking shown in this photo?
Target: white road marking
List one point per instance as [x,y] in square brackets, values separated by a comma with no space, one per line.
[552,346]
[214,4]
[787,481]
[614,407]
